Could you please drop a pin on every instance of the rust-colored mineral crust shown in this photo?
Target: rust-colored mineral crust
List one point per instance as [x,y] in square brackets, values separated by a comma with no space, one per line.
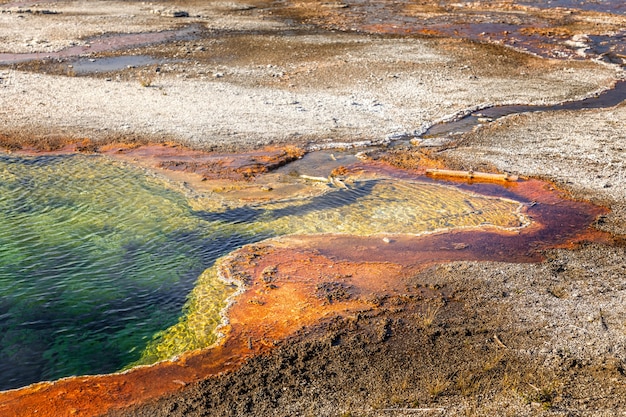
[207,165]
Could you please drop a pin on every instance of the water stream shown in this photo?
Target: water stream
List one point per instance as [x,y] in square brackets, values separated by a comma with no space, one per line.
[468,122]
[106,43]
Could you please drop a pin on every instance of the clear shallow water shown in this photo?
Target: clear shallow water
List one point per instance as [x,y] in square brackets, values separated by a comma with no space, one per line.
[99,262]
[364,208]
[94,258]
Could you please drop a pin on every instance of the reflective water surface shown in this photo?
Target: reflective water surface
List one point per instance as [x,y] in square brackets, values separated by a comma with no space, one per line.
[94,257]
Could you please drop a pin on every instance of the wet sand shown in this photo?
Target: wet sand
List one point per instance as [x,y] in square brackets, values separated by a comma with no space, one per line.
[487,337]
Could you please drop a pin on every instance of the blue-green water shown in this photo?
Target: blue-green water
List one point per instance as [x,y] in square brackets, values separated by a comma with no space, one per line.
[98,259]
[94,259]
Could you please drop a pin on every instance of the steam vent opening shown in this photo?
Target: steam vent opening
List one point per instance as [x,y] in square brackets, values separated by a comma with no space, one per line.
[107,265]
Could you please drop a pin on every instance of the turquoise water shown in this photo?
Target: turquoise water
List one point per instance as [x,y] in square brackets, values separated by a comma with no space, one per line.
[103,266]
[95,258]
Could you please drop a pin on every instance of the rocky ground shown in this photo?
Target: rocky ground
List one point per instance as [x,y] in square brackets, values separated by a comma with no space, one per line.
[543,338]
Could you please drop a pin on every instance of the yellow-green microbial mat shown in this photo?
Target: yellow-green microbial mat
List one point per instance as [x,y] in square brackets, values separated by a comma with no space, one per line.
[369,208]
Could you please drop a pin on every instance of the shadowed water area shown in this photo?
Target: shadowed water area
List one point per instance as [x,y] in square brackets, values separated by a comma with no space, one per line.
[99,261]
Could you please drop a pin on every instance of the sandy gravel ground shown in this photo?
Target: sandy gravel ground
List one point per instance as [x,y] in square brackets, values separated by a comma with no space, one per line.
[527,339]
[240,89]
[372,105]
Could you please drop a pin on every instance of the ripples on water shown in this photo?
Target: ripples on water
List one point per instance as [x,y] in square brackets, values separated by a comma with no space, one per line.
[364,208]
[96,258]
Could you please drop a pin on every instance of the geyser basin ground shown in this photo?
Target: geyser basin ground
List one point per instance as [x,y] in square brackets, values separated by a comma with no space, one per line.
[350,245]
[561,320]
